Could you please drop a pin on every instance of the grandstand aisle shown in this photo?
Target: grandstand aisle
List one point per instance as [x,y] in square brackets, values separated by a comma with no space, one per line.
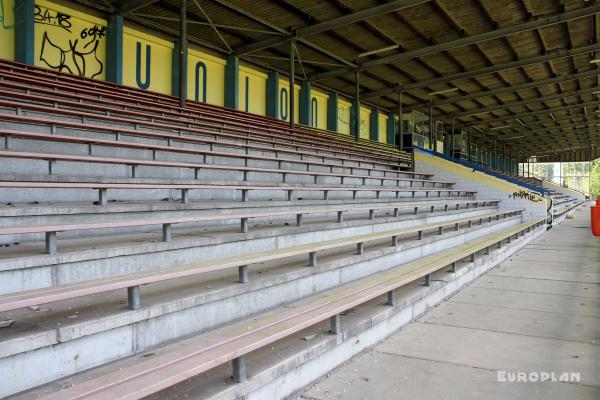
[538,312]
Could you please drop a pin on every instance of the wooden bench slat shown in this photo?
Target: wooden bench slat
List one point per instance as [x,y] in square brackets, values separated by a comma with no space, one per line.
[216,111]
[193,356]
[15,230]
[26,84]
[176,149]
[199,140]
[150,120]
[122,161]
[47,295]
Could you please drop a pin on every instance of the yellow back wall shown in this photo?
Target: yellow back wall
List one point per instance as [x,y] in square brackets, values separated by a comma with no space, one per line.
[147,61]
[210,87]
[255,99]
[7,29]
[69,41]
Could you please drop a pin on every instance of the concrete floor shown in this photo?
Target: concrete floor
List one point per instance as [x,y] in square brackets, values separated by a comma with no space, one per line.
[538,312]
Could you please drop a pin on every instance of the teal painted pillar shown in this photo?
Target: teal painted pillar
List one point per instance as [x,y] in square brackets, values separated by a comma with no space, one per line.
[332,112]
[354,130]
[374,125]
[232,82]
[24,31]
[391,129]
[176,68]
[114,49]
[273,94]
[305,94]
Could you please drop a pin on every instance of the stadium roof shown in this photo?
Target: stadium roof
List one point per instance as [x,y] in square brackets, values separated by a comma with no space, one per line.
[522,72]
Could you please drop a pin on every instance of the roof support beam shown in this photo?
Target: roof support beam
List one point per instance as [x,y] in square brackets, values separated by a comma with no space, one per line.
[553,55]
[282,31]
[532,113]
[329,24]
[513,88]
[521,103]
[127,6]
[495,34]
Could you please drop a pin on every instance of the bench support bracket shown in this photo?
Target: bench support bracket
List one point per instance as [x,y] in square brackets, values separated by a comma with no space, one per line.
[133,298]
[102,197]
[243,273]
[50,242]
[239,369]
[336,324]
[391,298]
[312,259]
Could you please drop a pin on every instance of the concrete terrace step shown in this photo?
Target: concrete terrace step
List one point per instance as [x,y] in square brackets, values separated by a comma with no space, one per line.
[180,122]
[23,136]
[99,223]
[45,188]
[25,266]
[200,302]
[118,166]
[375,285]
[46,122]
[139,97]
[23,211]
[14,301]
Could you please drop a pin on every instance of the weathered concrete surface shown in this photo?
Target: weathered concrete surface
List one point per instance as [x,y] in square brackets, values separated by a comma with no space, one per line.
[536,312]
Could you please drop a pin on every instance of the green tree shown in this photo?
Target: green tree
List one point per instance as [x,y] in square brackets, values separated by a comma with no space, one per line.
[595,177]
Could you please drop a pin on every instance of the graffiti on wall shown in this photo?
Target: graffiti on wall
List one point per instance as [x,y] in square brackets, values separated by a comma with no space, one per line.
[524,195]
[344,119]
[68,44]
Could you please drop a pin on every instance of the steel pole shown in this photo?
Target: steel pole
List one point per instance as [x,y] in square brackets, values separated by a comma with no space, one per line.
[182,51]
[292,80]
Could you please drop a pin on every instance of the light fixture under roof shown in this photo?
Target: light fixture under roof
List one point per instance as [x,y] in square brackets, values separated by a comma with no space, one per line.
[381,50]
[515,137]
[499,127]
[595,61]
[520,122]
[443,91]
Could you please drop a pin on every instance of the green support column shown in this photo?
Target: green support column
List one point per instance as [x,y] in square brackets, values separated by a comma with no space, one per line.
[232,82]
[332,112]
[374,125]
[391,129]
[176,68]
[305,95]
[24,31]
[114,49]
[273,94]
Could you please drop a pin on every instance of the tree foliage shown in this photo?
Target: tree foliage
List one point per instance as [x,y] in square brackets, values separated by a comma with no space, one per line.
[595,177]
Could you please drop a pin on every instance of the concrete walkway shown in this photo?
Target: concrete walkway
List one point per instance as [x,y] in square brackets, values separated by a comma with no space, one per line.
[538,312]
